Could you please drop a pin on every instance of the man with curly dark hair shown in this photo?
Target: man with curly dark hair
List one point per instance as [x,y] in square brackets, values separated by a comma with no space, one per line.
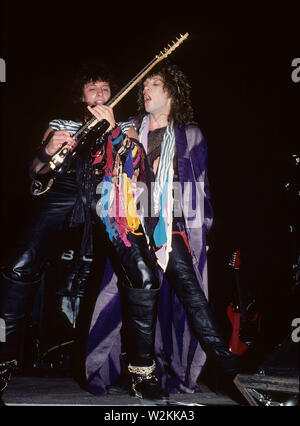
[186,331]
[175,82]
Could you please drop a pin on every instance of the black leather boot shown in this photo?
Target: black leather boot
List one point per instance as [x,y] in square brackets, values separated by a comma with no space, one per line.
[144,383]
[139,322]
[181,276]
[16,302]
[206,329]
[226,365]
[6,370]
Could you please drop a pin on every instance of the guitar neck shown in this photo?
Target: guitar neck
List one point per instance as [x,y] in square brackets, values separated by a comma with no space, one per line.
[129,86]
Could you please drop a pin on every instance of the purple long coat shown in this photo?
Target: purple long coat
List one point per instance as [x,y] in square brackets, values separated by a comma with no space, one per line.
[178,355]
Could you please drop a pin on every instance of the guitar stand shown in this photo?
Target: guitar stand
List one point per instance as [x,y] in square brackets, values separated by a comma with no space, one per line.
[261,390]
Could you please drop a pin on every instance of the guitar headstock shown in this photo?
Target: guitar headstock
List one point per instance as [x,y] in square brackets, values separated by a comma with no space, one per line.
[167,50]
[235,261]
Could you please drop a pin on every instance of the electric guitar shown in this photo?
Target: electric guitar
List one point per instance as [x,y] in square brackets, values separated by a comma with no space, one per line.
[62,159]
[244,319]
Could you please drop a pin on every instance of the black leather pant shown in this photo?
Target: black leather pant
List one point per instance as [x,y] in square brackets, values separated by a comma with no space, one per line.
[140,303]
[181,276]
[21,275]
[40,239]
[139,288]
[135,266]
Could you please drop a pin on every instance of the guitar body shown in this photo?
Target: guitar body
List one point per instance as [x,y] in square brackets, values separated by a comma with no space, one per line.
[245,321]
[88,138]
[236,346]
[63,158]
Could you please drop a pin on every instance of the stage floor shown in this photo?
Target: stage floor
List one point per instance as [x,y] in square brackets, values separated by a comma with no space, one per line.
[62,391]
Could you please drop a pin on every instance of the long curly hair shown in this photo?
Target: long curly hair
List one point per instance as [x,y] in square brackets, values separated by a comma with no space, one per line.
[91,71]
[179,89]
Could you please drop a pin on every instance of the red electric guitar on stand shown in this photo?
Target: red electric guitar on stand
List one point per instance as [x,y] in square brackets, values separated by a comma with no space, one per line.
[244,319]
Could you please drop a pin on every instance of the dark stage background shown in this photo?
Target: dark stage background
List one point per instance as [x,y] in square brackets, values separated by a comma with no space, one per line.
[238,58]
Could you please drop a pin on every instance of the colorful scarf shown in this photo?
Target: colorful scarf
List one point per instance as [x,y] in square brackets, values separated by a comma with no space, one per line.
[116,206]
